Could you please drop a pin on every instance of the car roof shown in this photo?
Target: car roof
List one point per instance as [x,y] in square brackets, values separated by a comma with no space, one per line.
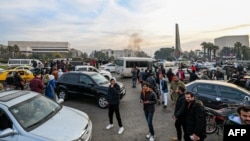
[10,98]
[83,72]
[217,82]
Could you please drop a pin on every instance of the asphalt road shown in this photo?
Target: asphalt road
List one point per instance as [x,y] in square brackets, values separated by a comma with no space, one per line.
[132,117]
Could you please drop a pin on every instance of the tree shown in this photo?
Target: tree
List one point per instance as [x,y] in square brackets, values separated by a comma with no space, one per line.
[100,55]
[207,46]
[214,49]
[141,54]
[238,49]
[16,50]
[84,55]
[164,53]
[191,55]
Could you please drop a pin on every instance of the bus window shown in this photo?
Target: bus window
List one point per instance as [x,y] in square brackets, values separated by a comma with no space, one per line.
[119,62]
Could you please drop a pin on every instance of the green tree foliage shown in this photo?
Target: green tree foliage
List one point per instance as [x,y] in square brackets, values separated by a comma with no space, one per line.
[100,55]
[208,48]
[141,54]
[164,53]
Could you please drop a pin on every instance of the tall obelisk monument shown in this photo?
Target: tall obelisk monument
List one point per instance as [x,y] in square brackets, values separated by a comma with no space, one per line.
[178,51]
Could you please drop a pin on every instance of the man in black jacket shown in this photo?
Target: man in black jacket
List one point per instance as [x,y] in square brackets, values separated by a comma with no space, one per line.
[195,119]
[180,112]
[148,98]
[113,104]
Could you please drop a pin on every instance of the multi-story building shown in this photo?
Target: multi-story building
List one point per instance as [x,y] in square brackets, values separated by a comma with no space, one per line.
[229,41]
[116,53]
[29,47]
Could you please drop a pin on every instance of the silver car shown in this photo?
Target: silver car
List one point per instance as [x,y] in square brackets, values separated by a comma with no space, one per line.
[29,116]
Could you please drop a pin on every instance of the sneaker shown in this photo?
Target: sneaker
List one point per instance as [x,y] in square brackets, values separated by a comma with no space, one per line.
[121,129]
[165,107]
[148,135]
[109,126]
[152,138]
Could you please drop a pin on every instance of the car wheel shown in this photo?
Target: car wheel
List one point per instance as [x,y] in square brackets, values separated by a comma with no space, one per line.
[62,94]
[102,101]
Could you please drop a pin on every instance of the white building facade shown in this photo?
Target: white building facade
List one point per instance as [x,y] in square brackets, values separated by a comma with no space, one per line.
[41,46]
[229,41]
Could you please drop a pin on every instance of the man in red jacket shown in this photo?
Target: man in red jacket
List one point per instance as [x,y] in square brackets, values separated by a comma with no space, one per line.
[36,84]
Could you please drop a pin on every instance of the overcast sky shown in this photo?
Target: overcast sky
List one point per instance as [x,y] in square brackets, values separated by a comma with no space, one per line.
[113,24]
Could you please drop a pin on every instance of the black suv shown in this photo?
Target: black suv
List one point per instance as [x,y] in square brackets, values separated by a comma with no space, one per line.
[91,84]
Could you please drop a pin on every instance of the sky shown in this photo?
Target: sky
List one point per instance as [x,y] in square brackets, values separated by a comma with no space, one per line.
[147,25]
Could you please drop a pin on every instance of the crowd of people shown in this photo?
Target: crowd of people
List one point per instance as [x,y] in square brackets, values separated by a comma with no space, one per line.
[44,80]
[189,113]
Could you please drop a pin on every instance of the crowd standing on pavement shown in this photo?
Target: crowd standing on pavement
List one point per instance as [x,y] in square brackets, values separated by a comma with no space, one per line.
[189,115]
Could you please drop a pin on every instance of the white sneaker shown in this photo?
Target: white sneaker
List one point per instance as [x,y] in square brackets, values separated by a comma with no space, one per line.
[109,126]
[121,129]
[152,138]
[148,135]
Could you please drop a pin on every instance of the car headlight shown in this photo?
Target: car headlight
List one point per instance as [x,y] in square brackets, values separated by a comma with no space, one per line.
[86,133]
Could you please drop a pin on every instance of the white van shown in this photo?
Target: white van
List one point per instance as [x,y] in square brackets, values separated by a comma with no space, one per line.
[22,62]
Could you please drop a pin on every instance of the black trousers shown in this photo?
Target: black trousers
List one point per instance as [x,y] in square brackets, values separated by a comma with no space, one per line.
[180,127]
[114,109]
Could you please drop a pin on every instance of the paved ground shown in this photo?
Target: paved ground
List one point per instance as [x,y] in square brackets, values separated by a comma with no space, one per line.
[132,117]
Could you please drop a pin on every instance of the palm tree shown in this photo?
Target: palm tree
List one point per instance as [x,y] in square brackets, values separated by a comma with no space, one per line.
[16,49]
[204,47]
[214,49]
[238,49]
[207,46]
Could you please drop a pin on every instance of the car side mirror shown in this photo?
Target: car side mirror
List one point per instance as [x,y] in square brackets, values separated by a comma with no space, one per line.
[7,132]
[246,98]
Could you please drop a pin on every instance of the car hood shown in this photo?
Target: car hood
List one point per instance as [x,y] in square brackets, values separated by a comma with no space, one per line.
[104,72]
[67,124]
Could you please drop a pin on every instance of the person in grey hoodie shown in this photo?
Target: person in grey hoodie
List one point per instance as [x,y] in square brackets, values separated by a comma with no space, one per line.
[242,117]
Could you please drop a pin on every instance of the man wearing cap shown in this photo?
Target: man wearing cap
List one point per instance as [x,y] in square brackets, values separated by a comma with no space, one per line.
[113,102]
[36,84]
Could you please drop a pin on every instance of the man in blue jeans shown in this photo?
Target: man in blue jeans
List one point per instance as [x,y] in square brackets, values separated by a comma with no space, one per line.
[148,98]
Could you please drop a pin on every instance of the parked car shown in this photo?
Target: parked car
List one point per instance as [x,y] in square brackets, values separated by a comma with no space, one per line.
[215,94]
[88,68]
[91,84]
[24,67]
[108,67]
[25,74]
[31,116]
[187,75]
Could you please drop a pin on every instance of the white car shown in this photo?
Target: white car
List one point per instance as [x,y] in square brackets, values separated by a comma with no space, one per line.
[108,67]
[106,74]
[30,116]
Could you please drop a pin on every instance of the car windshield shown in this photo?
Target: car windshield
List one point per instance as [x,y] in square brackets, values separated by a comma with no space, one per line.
[100,79]
[34,111]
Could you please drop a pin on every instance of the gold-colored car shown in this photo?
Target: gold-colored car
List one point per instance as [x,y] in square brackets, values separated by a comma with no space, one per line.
[25,74]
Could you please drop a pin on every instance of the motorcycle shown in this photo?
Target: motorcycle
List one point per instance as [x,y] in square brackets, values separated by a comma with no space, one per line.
[216,119]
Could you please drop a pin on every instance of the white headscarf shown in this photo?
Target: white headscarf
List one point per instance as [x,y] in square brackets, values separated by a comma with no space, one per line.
[51,77]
